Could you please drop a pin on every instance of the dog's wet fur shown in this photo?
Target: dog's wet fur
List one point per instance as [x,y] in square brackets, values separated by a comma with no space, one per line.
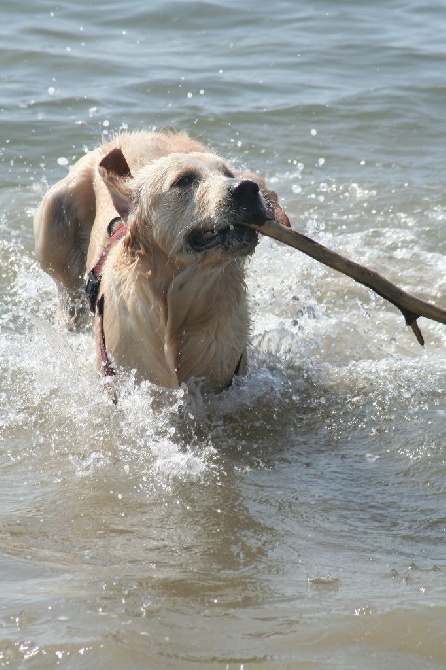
[175,304]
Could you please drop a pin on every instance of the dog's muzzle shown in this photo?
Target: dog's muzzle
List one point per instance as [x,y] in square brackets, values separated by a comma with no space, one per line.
[244,205]
[232,238]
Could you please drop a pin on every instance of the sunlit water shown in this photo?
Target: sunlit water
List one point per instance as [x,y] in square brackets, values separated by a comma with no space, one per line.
[297,520]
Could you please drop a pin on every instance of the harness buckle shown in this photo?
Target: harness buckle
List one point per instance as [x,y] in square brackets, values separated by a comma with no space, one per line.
[92,289]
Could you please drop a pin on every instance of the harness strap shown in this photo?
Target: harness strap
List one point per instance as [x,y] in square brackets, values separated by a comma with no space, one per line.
[106,367]
[115,230]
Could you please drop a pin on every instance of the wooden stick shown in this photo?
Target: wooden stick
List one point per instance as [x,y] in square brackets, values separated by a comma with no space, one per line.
[410,306]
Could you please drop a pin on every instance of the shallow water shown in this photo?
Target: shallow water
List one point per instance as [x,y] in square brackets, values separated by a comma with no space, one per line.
[297,520]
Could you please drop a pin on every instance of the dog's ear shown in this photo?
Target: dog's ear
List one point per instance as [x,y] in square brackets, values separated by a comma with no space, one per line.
[115,172]
[271,198]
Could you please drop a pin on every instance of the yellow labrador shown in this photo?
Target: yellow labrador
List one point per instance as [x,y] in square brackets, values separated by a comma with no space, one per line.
[166,279]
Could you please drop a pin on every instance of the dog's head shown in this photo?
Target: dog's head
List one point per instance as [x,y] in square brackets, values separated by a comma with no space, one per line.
[192,206]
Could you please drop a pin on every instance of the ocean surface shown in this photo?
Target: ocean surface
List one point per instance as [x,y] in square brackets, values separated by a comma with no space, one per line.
[298,520]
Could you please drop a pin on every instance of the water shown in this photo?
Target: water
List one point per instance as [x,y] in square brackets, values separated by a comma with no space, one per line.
[299,519]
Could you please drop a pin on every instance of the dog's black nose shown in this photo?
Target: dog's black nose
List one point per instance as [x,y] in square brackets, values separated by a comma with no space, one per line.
[244,192]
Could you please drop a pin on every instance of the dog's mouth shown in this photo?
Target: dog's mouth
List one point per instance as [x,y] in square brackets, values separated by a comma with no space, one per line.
[232,238]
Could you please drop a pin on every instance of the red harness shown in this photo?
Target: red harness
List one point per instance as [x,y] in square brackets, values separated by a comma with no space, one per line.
[116,231]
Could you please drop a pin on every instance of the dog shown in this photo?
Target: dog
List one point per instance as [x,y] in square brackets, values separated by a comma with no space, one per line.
[156,220]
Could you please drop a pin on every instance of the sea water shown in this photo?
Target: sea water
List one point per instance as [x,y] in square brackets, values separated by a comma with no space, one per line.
[297,520]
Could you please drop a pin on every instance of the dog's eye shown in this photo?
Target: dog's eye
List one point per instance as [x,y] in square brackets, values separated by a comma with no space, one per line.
[228,173]
[187,179]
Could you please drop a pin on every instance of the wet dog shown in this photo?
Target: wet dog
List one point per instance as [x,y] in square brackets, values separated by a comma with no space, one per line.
[157,219]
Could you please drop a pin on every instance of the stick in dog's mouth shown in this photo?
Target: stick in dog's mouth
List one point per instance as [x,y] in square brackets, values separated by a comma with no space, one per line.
[410,306]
